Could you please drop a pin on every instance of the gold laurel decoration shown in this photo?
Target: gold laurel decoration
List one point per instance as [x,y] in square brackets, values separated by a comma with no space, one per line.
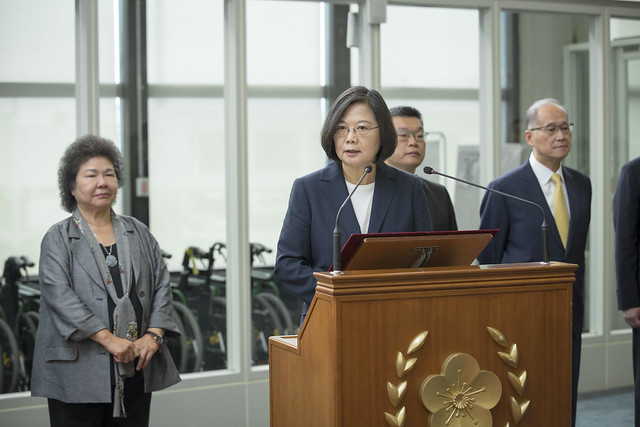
[417,342]
[510,358]
[507,425]
[518,410]
[403,365]
[497,336]
[396,394]
[395,420]
[519,383]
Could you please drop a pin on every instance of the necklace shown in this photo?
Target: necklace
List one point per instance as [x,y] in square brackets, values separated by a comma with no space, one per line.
[111,260]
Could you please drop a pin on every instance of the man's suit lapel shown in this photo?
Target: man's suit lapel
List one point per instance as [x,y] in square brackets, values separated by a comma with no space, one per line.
[335,192]
[574,202]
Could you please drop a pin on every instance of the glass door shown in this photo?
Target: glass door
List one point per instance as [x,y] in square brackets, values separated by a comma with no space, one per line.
[626,132]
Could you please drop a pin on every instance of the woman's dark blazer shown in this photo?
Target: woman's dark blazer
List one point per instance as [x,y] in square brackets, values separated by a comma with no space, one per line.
[305,244]
[67,364]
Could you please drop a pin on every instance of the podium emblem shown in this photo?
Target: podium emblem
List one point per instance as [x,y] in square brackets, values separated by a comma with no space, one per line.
[462,395]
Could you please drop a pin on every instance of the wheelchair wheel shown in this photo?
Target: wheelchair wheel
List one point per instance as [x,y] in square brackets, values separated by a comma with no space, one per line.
[10,358]
[178,345]
[215,335]
[192,335]
[282,311]
[27,329]
[266,323]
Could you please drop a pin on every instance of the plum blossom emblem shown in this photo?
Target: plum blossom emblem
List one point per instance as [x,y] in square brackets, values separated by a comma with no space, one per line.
[463,395]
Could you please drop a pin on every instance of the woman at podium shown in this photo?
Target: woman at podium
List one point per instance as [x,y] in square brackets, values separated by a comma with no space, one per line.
[358,135]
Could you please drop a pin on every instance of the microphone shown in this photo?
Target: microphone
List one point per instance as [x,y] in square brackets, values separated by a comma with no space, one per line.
[545,226]
[336,231]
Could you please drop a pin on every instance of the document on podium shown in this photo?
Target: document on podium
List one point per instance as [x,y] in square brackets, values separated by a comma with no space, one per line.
[413,249]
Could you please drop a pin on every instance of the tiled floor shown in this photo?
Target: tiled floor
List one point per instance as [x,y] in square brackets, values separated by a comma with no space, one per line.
[612,408]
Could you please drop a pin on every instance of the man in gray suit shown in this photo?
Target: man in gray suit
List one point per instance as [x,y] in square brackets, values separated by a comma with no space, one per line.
[409,154]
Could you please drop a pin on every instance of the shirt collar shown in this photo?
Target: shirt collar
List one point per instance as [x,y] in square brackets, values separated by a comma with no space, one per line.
[542,172]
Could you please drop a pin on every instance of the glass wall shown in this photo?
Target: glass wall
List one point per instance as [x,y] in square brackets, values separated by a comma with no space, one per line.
[625,41]
[560,42]
[37,118]
[37,122]
[187,156]
[285,76]
[435,68]
[185,72]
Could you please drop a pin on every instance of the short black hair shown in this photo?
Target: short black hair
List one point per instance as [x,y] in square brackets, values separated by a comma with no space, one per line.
[406,111]
[371,97]
[76,154]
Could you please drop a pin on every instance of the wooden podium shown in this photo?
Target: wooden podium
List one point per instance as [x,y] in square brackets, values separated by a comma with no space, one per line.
[392,347]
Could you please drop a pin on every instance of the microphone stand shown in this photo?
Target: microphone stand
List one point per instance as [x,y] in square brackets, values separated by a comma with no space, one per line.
[337,237]
[545,226]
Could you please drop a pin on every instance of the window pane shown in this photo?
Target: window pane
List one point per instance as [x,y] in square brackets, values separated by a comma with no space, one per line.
[624,28]
[185,42]
[108,49]
[38,41]
[436,70]
[439,50]
[187,210]
[625,130]
[33,135]
[284,143]
[280,150]
[564,76]
[187,171]
[288,52]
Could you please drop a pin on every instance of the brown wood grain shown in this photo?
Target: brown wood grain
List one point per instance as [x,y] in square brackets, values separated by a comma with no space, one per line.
[335,372]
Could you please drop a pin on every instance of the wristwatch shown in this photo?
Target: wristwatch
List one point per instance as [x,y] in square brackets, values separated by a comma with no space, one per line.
[159,339]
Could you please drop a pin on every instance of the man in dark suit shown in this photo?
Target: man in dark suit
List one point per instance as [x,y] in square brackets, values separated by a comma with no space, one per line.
[626,220]
[408,156]
[567,207]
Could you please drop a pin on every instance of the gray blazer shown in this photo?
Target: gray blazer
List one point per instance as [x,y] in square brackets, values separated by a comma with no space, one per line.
[67,365]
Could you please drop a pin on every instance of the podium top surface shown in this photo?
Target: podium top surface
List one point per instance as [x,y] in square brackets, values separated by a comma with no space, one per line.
[414,249]
[451,277]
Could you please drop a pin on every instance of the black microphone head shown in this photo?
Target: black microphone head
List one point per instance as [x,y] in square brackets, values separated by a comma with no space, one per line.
[368,169]
[428,170]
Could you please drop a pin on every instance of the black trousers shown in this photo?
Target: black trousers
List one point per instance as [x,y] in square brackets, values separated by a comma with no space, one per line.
[137,405]
[636,373]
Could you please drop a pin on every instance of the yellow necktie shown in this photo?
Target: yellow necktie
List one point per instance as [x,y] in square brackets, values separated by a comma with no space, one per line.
[560,213]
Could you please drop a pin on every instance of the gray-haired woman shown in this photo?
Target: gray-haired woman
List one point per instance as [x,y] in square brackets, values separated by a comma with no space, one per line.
[106,301]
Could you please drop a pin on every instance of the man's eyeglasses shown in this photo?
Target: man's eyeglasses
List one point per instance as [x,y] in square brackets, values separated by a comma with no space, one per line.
[419,135]
[552,128]
[360,130]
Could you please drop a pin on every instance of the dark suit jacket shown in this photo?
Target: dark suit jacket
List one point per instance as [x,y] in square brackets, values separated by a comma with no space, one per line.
[305,244]
[520,236]
[67,364]
[443,217]
[626,220]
